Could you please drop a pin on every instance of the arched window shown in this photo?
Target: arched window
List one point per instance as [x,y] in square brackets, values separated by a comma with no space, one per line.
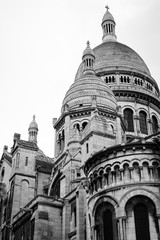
[84,124]
[106,228]
[142,218]
[154,124]
[55,190]
[24,193]
[2,173]
[17,160]
[141,222]
[128,118]
[62,140]
[26,161]
[143,122]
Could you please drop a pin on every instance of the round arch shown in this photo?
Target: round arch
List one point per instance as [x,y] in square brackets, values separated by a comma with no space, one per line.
[104,217]
[137,191]
[113,201]
[128,106]
[56,175]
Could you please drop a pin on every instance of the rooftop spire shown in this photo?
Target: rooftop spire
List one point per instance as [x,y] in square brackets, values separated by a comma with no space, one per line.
[88,60]
[108,26]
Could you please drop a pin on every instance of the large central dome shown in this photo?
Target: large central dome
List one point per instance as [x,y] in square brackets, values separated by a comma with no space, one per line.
[111,56]
[117,55]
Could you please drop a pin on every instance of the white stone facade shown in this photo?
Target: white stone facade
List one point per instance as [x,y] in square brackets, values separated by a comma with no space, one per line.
[105,178]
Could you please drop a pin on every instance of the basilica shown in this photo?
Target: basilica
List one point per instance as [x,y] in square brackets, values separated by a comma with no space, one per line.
[104,180]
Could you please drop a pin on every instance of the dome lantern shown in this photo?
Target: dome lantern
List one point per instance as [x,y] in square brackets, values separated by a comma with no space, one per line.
[88,59]
[108,27]
[33,131]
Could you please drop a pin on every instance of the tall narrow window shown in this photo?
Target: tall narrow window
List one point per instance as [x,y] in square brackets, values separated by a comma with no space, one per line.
[128,118]
[17,160]
[154,124]
[141,222]
[87,147]
[32,228]
[143,122]
[73,214]
[26,161]
[62,140]
[107,225]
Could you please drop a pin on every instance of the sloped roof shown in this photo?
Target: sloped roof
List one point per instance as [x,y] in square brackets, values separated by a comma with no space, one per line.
[44,166]
[7,156]
[25,144]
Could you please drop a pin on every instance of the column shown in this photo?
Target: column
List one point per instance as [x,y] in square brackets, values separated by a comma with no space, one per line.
[151,172]
[136,124]
[141,173]
[121,224]
[122,174]
[149,126]
[131,172]
[158,218]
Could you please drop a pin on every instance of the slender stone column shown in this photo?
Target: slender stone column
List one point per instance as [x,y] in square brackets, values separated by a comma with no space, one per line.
[141,173]
[124,228]
[151,172]
[122,174]
[95,232]
[158,218]
[121,225]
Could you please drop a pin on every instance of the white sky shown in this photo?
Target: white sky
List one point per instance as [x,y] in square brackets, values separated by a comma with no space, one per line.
[41,45]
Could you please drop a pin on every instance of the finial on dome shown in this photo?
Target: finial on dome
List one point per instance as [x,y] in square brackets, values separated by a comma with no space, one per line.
[88,43]
[34,117]
[107,8]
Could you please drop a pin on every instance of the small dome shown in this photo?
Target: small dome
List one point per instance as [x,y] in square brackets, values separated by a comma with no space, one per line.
[89,90]
[85,89]
[88,50]
[33,124]
[107,16]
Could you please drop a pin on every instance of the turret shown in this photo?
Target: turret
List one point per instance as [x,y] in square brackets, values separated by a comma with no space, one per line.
[108,27]
[88,59]
[33,131]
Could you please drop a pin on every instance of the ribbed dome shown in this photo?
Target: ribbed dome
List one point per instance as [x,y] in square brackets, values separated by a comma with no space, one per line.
[116,56]
[84,89]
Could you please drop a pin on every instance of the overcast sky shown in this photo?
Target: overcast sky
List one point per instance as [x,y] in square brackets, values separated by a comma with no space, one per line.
[41,45]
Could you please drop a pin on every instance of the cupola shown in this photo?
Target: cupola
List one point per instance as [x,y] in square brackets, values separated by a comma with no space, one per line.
[33,131]
[108,27]
[88,59]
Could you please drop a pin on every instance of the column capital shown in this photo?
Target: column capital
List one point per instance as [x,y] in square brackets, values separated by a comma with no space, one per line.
[121,217]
